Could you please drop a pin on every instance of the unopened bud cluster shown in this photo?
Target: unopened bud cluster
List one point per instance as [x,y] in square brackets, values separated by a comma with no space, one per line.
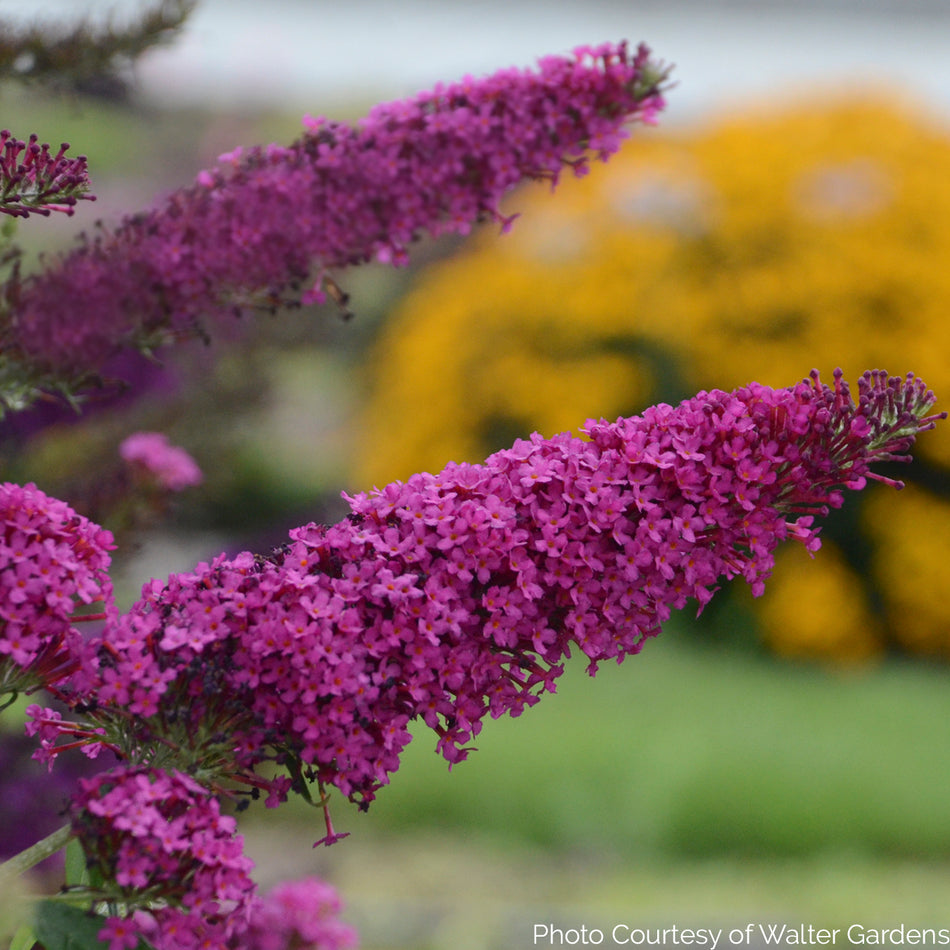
[36,180]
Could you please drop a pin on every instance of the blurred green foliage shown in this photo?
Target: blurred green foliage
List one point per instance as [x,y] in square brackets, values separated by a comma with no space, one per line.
[694,751]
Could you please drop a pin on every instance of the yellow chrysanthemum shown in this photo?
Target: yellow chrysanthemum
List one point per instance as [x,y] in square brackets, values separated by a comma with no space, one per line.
[912,550]
[818,613]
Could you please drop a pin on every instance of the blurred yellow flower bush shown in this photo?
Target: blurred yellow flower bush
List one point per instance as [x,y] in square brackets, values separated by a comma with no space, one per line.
[792,236]
[818,609]
[911,553]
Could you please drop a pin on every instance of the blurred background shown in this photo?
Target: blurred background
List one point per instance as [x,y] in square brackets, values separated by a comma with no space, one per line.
[779,759]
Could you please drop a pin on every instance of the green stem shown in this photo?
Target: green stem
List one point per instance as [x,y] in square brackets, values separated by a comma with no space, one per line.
[23,861]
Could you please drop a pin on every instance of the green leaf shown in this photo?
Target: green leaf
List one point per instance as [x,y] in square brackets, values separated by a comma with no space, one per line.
[76,870]
[62,927]
[23,939]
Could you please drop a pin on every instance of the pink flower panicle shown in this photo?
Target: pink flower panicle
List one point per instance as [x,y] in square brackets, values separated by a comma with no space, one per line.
[168,467]
[34,180]
[253,230]
[298,915]
[162,849]
[160,844]
[454,596]
[51,561]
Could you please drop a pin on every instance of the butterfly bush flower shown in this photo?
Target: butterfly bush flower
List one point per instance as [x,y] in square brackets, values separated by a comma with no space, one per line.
[298,915]
[168,467]
[158,841]
[270,222]
[51,561]
[456,596]
[164,852]
[34,180]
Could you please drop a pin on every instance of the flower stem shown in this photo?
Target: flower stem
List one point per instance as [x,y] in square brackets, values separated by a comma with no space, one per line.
[32,856]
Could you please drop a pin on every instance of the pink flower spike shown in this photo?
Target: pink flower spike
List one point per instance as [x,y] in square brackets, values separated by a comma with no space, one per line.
[262,224]
[458,596]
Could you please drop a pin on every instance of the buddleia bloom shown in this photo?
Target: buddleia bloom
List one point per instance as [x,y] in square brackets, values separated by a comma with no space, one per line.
[268,224]
[158,843]
[154,461]
[298,915]
[456,596]
[159,849]
[52,562]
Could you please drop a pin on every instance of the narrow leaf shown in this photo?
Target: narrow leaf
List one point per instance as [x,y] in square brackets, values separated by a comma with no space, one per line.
[23,939]
[76,870]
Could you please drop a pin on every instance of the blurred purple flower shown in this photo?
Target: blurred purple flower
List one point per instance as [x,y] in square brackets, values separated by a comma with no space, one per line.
[251,231]
[169,467]
[32,799]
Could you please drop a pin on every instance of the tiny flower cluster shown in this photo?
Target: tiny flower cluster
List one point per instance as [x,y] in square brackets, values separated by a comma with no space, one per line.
[454,596]
[169,467]
[33,180]
[252,230]
[51,559]
[159,845]
[298,915]
[160,841]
